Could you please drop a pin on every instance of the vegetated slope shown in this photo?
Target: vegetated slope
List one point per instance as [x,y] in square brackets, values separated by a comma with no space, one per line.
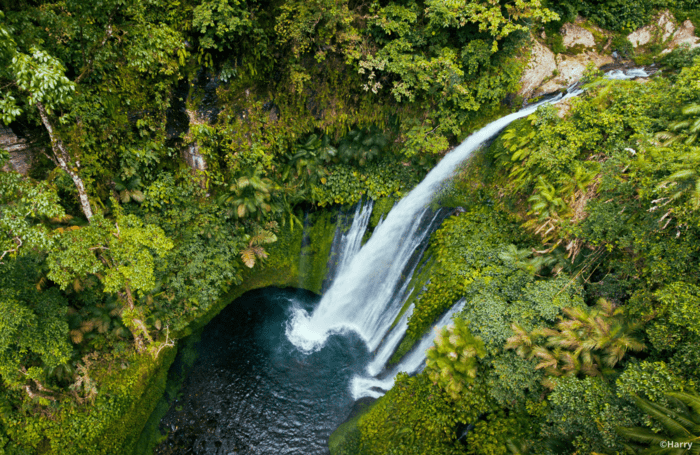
[180,141]
[577,256]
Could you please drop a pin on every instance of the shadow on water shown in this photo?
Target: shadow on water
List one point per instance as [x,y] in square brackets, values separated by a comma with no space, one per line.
[251,391]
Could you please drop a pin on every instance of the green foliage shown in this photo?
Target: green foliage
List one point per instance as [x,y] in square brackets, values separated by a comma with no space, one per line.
[679,58]
[583,414]
[34,330]
[38,74]
[465,249]
[120,254]
[497,435]
[680,425]
[129,390]
[618,15]
[588,341]
[416,417]
[221,23]
[650,380]
[675,320]
[23,204]
[685,129]
[452,361]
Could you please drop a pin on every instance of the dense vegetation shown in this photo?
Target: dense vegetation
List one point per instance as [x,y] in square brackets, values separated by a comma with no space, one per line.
[577,255]
[577,261]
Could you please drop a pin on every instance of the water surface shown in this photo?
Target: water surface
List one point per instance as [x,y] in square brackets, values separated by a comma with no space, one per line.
[252,392]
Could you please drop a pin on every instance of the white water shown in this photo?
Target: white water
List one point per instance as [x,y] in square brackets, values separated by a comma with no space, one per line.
[352,241]
[413,362]
[369,288]
[630,73]
[361,298]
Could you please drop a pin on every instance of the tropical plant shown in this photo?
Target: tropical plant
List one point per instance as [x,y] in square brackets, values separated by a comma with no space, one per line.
[251,196]
[684,181]
[128,189]
[685,129]
[452,360]
[588,341]
[524,259]
[309,160]
[254,250]
[680,422]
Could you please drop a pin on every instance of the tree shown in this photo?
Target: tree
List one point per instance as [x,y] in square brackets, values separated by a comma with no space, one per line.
[121,254]
[41,79]
[452,360]
[588,341]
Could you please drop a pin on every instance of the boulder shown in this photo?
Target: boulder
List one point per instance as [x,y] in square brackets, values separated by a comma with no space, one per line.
[541,66]
[684,35]
[661,30]
[571,69]
[574,35]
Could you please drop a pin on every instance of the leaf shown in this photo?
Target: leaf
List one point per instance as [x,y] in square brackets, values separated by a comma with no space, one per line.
[138,196]
[248,257]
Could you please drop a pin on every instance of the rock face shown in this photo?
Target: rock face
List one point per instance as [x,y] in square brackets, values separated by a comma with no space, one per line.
[684,35]
[548,73]
[574,35]
[661,30]
[190,154]
[541,66]
[665,30]
[21,152]
[571,69]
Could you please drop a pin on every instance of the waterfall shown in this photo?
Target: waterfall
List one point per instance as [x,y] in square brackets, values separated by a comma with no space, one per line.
[366,295]
[346,245]
[413,362]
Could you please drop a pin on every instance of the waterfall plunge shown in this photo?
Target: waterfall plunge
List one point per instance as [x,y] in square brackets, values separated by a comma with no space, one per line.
[363,296]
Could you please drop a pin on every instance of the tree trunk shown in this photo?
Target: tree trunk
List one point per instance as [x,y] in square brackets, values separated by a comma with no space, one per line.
[63,159]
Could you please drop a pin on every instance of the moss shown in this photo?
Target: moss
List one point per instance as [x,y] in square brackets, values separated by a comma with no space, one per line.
[346,438]
[381,209]
[315,250]
[133,422]
[130,387]
[298,259]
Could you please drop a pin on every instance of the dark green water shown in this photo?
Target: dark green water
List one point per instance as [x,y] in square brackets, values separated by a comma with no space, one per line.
[252,392]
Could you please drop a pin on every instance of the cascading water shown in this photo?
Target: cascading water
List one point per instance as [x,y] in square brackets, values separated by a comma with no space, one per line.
[363,297]
[413,362]
[271,379]
[346,246]
[630,73]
